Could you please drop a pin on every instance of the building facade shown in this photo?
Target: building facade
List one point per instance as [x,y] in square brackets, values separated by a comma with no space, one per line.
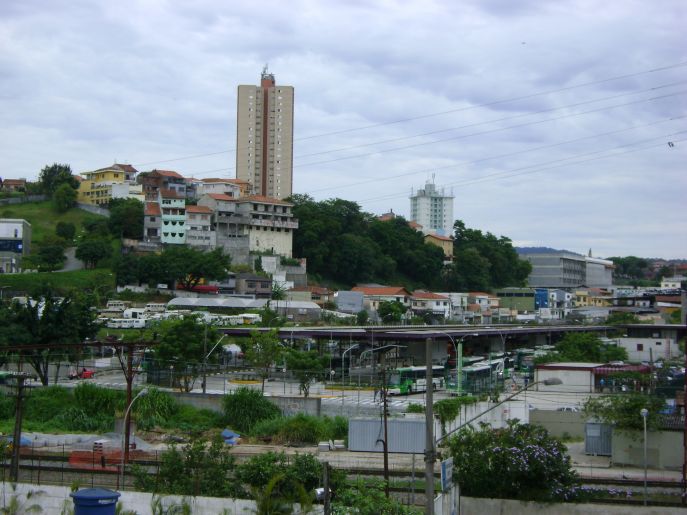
[101,186]
[199,233]
[173,208]
[15,243]
[264,137]
[433,210]
[155,181]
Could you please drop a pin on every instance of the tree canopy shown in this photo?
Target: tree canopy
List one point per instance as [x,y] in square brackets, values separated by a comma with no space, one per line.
[126,218]
[262,351]
[92,250]
[483,261]
[520,461]
[307,367]
[46,320]
[623,411]
[178,264]
[585,348]
[184,344]
[344,244]
[64,197]
[54,175]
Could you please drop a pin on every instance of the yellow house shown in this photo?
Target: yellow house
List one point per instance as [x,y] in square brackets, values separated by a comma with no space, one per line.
[443,242]
[116,181]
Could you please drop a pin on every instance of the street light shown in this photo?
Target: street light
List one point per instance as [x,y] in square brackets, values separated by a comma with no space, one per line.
[644,413]
[126,430]
[459,358]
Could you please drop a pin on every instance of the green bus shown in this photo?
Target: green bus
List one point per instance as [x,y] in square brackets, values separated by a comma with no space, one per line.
[407,380]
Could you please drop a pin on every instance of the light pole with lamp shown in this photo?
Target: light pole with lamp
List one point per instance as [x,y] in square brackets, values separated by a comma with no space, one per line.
[644,413]
[458,349]
[126,424]
[205,359]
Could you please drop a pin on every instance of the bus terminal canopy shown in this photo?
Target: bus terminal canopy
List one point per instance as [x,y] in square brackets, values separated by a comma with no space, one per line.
[410,333]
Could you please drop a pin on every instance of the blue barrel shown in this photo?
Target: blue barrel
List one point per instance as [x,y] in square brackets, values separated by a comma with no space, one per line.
[95,501]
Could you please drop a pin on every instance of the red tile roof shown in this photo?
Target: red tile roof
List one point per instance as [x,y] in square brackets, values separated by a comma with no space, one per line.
[152,209]
[220,196]
[126,168]
[439,237]
[428,295]
[14,182]
[170,194]
[414,225]
[198,209]
[212,180]
[168,173]
[238,181]
[381,290]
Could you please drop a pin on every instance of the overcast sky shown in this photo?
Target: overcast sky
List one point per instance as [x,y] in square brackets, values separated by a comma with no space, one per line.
[558,123]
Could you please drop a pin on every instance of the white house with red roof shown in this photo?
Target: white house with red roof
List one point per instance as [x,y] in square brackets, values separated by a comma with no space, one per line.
[373,295]
[424,303]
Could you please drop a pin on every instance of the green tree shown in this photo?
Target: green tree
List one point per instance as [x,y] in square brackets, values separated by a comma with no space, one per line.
[245,407]
[362,317]
[53,176]
[263,350]
[65,230]
[197,468]
[391,311]
[93,250]
[623,411]
[188,266]
[620,318]
[64,198]
[50,257]
[183,344]
[520,461]
[46,321]
[307,367]
[630,267]
[126,218]
[584,347]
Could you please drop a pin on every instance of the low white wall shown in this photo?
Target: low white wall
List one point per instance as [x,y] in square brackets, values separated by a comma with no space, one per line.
[473,505]
[53,499]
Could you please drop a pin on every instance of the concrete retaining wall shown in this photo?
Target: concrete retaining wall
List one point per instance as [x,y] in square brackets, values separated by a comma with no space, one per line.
[559,423]
[288,405]
[663,449]
[55,499]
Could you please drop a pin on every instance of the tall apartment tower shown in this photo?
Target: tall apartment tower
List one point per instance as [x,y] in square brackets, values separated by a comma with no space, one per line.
[433,210]
[264,137]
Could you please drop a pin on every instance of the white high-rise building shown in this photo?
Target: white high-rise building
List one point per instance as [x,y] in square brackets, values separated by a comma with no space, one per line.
[264,137]
[433,210]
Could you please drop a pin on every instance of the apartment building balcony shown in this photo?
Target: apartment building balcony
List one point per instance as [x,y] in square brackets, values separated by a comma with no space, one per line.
[290,224]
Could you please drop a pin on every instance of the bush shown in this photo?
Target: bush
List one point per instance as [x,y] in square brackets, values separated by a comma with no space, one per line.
[96,400]
[188,418]
[76,419]
[300,429]
[44,403]
[246,407]
[415,408]
[154,409]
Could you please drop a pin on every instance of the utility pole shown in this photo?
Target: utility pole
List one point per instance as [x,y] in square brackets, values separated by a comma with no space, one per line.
[205,359]
[386,433]
[429,431]
[16,439]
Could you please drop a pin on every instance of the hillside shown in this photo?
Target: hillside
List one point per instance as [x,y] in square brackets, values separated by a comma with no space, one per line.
[44,218]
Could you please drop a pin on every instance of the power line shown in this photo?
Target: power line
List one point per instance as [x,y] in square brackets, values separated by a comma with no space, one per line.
[510,154]
[521,171]
[430,115]
[490,131]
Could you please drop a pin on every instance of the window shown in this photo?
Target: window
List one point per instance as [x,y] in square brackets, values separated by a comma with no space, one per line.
[640,347]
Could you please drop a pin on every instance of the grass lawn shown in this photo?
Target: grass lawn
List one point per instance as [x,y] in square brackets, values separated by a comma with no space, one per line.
[43,217]
[100,279]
